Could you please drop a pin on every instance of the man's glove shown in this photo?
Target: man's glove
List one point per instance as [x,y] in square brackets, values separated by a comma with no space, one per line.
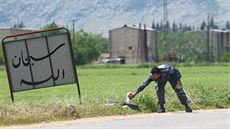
[132,95]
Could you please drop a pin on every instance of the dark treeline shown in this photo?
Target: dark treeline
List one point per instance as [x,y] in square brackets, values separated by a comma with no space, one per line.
[183,28]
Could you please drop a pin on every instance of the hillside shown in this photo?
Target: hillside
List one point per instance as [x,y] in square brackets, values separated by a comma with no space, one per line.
[99,16]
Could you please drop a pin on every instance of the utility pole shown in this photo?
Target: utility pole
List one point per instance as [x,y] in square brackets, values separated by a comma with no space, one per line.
[145,48]
[165,28]
[73,31]
[140,45]
[208,52]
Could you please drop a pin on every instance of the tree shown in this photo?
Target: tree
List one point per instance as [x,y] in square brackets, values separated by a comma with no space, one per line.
[227,25]
[161,25]
[225,57]
[52,25]
[186,46]
[19,25]
[174,27]
[167,25]
[186,28]
[157,26]
[191,48]
[87,47]
[153,25]
[203,25]
[212,24]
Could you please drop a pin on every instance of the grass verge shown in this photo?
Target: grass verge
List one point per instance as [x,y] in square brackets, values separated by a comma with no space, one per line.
[207,86]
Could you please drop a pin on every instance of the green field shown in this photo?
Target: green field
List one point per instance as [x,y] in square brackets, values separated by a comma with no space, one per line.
[207,86]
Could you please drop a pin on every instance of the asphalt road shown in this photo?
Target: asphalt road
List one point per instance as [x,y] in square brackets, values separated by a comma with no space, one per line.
[202,119]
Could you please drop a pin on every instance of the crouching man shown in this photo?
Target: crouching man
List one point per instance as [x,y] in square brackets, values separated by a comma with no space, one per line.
[160,75]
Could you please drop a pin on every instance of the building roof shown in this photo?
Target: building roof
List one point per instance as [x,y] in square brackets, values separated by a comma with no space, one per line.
[11,28]
[217,30]
[134,27]
[13,31]
[212,30]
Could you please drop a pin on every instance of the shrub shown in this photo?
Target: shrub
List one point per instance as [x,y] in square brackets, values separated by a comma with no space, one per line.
[225,57]
[146,102]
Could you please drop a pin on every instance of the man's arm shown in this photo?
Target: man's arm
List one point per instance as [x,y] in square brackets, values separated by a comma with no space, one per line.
[141,87]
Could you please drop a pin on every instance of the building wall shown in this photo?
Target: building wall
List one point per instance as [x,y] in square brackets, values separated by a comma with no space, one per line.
[127,42]
[12,31]
[219,43]
[152,40]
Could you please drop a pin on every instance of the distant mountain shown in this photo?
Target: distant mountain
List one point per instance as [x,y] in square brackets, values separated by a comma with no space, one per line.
[99,16]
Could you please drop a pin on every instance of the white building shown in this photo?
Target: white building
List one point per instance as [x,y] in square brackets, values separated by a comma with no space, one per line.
[133,44]
[13,31]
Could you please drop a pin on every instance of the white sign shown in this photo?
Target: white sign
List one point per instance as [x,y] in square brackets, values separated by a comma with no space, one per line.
[39,62]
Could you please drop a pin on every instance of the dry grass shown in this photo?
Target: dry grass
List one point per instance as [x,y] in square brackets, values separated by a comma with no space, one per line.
[24,113]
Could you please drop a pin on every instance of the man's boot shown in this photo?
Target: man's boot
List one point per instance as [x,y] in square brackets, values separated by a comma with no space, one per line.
[162,109]
[187,108]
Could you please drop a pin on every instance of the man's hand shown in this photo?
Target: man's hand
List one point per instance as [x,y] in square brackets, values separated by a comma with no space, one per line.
[132,95]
